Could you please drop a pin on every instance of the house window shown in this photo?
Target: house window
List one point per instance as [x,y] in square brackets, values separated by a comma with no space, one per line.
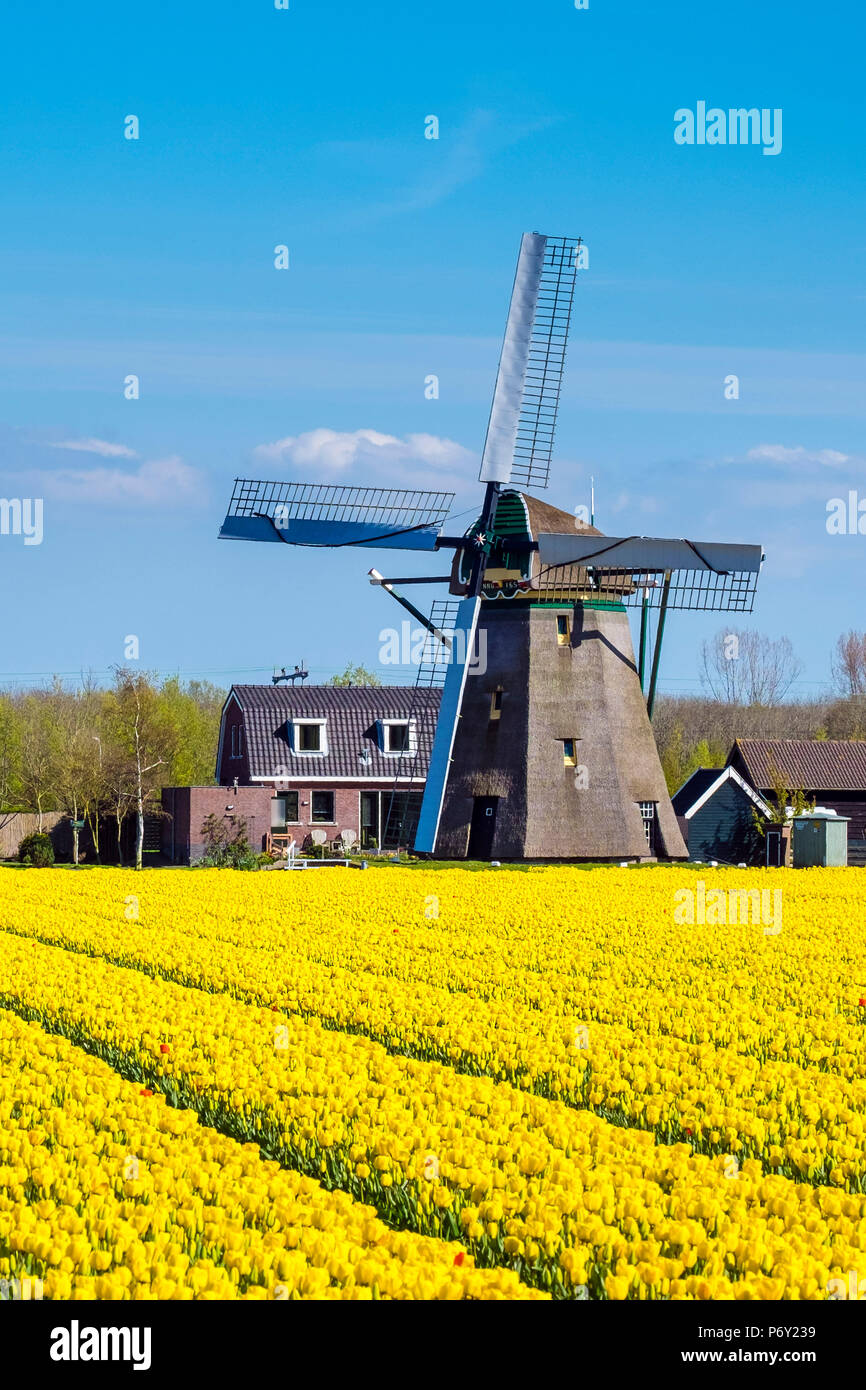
[569,752]
[397,738]
[284,810]
[237,740]
[309,736]
[563,630]
[323,807]
[496,704]
[648,815]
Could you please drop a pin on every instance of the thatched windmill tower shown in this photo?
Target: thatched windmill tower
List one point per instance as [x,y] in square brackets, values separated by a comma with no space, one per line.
[554,755]
[543,748]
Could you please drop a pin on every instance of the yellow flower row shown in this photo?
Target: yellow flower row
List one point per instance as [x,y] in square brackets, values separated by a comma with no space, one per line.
[570,1200]
[106,1192]
[683,1075]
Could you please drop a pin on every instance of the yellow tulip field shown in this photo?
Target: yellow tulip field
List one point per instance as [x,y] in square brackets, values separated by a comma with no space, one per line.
[417,1083]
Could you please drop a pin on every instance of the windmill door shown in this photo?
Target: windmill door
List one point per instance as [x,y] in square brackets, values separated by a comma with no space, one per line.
[483,826]
[774,849]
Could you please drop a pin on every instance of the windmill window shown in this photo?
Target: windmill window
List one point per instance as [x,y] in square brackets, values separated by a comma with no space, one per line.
[309,736]
[569,752]
[648,816]
[563,630]
[323,807]
[237,741]
[496,704]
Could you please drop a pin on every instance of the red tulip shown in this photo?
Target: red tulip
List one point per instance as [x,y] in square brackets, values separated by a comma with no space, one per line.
[163,1047]
[458,1259]
[145,1092]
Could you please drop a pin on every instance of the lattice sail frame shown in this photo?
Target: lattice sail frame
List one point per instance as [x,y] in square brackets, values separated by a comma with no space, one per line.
[403,809]
[535,433]
[520,432]
[335,515]
[381,506]
[698,590]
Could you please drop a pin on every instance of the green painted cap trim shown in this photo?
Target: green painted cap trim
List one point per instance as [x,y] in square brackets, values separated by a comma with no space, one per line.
[604,605]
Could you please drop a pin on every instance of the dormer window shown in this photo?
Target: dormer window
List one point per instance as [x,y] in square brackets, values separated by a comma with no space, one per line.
[309,736]
[397,736]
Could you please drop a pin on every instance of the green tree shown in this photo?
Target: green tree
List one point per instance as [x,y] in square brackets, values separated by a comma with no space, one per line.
[782,797]
[355,675]
[193,713]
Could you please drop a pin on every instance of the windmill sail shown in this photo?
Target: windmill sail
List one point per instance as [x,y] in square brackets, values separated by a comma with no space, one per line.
[446,726]
[324,514]
[519,442]
[411,820]
[706,575]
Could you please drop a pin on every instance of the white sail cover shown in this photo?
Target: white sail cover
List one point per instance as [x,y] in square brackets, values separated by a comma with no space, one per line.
[498,457]
[646,554]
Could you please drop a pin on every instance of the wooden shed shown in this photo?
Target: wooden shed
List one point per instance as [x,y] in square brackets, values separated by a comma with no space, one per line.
[714,811]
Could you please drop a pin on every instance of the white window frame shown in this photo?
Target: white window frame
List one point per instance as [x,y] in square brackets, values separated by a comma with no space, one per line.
[649,816]
[411,740]
[237,741]
[319,752]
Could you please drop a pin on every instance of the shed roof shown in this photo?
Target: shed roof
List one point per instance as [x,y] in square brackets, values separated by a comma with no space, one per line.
[351,713]
[693,788]
[703,785]
[826,765]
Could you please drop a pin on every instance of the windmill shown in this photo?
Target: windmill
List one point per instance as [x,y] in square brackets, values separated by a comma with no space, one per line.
[543,748]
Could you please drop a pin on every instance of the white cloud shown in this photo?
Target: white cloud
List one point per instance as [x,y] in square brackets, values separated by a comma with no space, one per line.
[798,456]
[416,460]
[161,482]
[460,159]
[97,446]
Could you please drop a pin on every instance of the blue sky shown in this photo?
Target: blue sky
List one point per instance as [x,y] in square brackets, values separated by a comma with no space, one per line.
[305,127]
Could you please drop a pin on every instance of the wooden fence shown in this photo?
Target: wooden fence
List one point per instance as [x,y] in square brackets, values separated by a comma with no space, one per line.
[18,825]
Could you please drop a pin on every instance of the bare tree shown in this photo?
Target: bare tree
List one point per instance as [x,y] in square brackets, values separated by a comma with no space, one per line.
[118,792]
[73,763]
[144,742]
[40,735]
[95,783]
[749,668]
[849,664]
[10,761]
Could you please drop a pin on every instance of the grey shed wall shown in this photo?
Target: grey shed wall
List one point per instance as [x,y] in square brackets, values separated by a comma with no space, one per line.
[722,829]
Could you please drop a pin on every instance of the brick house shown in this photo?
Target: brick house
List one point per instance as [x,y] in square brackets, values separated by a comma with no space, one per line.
[294,760]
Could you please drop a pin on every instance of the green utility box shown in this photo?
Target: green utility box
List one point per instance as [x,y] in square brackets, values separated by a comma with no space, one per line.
[820,840]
